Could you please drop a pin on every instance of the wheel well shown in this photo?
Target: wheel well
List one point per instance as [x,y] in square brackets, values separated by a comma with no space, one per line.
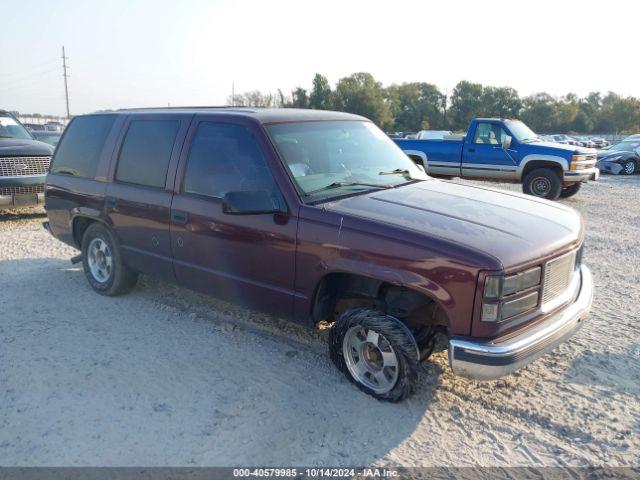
[338,292]
[541,164]
[417,160]
[80,225]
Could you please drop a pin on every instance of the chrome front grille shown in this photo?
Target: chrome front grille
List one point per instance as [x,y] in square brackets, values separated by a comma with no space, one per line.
[21,166]
[557,276]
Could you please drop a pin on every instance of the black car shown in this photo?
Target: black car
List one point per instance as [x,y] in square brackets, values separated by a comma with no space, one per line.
[24,162]
[622,158]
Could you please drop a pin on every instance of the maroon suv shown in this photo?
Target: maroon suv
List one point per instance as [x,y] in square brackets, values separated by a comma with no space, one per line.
[320,218]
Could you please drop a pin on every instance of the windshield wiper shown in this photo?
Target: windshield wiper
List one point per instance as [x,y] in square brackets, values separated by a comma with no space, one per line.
[397,171]
[346,184]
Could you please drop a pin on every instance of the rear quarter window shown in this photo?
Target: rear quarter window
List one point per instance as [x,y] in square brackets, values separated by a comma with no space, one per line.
[79,151]
[146,152]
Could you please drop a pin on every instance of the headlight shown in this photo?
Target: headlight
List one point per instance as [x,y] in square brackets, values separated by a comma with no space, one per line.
[506,296]
[578,162]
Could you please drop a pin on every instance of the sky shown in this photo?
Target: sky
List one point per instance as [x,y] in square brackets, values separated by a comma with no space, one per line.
[190,52]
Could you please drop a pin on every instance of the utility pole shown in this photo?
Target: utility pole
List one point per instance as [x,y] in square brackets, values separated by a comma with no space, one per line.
[233,93]
[65,75]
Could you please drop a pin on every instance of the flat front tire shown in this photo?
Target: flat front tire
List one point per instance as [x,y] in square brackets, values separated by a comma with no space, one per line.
[377,352]
[102,262]
[543,183]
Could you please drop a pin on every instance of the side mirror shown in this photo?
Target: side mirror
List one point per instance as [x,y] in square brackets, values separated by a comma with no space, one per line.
[506,143]
[251,203]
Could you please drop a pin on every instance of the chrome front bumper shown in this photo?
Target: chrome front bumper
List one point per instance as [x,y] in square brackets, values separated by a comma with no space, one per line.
[582,175]
[494,359]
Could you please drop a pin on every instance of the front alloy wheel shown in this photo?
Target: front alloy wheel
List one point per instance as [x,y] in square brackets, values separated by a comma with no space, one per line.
[629,167]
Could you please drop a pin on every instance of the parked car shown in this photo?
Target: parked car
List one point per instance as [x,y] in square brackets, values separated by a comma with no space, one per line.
[33,127]
[632,137]
[318,217]
[54,127]
[563,139]
[622,158]
[52,138]
[432,134]
[585,142]
[600,142]
[23,164]
[507,150]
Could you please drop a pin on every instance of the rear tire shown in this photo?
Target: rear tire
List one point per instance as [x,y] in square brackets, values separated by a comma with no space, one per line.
[628,168]
[377,352]
[542,183]
[102,262]
[571,190]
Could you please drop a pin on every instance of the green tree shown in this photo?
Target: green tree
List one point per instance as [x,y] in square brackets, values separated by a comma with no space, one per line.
[502,102]
[299,99]
[466,104]
[416,106]
[539,112]
[361,94]
[321,97]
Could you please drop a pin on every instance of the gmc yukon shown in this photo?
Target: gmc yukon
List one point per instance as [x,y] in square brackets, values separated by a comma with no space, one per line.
[320,218]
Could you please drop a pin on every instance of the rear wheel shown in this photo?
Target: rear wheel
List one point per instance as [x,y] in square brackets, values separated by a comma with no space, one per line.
[102,262]
[377,352]
[629,167]
[543,183]
[571,190]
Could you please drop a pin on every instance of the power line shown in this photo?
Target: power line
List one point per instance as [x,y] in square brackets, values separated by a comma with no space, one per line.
[65,75]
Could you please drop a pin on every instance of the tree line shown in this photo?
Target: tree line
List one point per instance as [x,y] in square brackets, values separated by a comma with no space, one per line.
[410,107]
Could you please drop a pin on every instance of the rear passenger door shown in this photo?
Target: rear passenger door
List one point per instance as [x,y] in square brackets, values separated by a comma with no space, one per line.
[249,258]
[138,199]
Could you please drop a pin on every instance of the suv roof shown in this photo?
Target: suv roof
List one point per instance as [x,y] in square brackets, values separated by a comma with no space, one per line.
[262,115]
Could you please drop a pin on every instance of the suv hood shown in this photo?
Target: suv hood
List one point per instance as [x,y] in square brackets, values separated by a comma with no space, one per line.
[511,227]
[18,147]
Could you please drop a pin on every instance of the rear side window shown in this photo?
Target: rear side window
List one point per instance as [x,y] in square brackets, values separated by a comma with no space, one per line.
[79,152]
[226,158]
[146,151]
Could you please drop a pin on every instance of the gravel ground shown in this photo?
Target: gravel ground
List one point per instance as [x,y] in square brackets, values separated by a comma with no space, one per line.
[165,376]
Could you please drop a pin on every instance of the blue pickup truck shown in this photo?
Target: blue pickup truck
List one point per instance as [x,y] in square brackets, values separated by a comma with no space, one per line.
[507,151]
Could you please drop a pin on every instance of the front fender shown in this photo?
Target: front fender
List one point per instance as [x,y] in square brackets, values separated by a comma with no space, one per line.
[533,157]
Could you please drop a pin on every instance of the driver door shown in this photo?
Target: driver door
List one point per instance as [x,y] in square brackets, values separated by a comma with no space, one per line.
[247,259]
[485,157]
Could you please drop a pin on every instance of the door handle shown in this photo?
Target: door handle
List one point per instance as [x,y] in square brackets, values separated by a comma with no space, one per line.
[179,217]
[111,202]
[471,150]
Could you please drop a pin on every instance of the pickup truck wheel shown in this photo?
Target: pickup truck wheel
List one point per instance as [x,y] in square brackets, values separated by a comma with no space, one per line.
[629,167]
[571,190]
[543,183]
[102,262]
[377,352]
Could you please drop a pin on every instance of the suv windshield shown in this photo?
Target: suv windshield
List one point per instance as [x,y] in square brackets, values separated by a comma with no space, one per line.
[521,131]
[326,157]
[10,128]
